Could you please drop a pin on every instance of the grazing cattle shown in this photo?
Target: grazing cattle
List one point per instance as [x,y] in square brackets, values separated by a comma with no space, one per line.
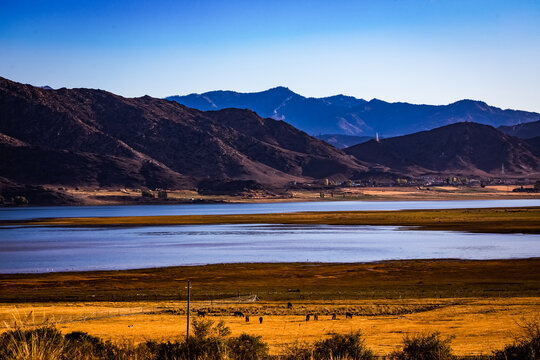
[307,317]
[238,313]
[247,318]
[201,313]
[334,316]
[348,315]
[260,320]
[289,305]
[315,317]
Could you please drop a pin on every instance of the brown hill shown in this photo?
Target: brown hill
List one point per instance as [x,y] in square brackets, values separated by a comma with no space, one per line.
[95,138]
[462,148]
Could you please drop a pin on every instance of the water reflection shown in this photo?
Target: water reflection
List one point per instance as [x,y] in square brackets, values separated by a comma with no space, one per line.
[60,249]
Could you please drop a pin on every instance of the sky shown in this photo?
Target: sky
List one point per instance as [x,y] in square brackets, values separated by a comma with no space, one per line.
[418,51]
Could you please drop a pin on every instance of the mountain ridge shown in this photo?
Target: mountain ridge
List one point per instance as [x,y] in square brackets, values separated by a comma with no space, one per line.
[465,148]
[347,115]
[159,139]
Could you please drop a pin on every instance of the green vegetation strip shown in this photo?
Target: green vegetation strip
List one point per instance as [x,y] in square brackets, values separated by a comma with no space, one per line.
[491,220]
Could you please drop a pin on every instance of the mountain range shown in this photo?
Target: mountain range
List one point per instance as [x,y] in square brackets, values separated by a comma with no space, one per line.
[93,138]
[346,115]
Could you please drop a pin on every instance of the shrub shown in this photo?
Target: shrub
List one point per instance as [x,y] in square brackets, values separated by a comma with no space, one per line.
[524,347]
[45,343]
[19,200]
[147,193]
[162,194]
[350,346]
[424,347]
[79,345]
[298,351]
[247,347]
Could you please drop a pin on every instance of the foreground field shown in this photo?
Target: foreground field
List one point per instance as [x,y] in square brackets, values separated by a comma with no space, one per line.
[481,304]
[477,326]
[494,220]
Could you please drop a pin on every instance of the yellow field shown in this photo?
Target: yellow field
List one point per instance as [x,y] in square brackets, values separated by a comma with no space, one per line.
[477,325]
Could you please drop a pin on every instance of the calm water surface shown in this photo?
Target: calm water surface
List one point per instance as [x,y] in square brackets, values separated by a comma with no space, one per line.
[61,249]
[259,208]
[43,249]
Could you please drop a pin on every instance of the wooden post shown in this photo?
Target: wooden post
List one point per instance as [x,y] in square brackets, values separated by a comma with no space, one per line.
[188,299]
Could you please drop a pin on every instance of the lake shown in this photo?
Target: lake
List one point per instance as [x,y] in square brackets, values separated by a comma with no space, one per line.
[68,249]
[253,208]
[43,249]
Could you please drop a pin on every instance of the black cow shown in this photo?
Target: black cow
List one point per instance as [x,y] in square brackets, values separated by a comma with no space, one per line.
[348,315]
[260,320]
[201,313]
[334,316]
[289,305]
[238,314]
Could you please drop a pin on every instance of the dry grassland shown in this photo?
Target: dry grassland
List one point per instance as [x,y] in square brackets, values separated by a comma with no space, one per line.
[476,325]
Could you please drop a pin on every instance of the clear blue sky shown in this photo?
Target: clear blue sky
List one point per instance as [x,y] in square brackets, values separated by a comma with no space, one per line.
[424,51]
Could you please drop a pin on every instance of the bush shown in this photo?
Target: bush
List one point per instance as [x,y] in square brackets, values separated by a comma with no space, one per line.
[79,344]
[19,200]
[424,347]
[350,346]
[298,351]
[525,347]
[147,193]
[46,343]
[247,347]
[162,194]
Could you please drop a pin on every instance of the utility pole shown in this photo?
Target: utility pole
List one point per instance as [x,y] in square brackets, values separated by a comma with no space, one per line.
[188,298]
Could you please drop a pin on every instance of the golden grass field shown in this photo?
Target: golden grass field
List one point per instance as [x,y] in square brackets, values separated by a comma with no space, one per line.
[481,304]
[477,325]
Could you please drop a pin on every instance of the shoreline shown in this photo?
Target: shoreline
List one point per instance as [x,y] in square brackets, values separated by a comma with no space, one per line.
[482,220]
[127,197]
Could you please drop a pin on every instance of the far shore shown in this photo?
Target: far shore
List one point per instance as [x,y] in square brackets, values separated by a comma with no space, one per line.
[488,220]
[99,197]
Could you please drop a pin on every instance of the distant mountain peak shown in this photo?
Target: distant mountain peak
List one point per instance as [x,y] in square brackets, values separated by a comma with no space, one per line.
[347,115]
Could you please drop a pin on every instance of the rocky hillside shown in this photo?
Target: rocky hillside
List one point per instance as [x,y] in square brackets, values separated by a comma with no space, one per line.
[95,138]
[463,148]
